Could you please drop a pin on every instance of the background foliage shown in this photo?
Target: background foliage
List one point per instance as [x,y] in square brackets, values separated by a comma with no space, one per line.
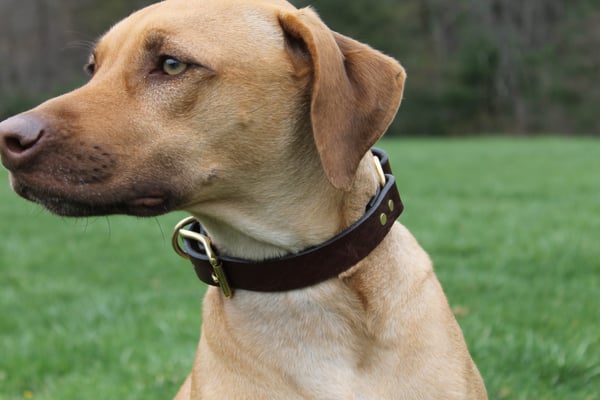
[498,66]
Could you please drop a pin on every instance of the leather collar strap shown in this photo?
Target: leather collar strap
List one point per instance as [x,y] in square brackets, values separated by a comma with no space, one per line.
[309,267]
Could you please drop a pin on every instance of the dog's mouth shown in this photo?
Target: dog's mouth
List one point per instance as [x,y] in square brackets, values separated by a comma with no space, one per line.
[82,203]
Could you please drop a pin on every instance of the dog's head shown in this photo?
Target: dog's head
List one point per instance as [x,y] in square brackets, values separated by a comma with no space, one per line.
[189,101]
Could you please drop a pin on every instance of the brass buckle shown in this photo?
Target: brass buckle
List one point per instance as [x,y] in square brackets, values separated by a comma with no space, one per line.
[218,275]
[380,173]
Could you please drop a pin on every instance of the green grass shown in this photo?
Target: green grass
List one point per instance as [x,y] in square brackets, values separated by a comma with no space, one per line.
[102,308]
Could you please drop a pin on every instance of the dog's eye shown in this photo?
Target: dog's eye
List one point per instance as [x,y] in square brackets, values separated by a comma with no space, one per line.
[172,66]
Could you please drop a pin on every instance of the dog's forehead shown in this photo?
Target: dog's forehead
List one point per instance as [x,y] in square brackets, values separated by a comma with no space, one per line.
[204,25]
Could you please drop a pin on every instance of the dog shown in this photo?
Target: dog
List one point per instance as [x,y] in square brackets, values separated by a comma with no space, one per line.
[258,120]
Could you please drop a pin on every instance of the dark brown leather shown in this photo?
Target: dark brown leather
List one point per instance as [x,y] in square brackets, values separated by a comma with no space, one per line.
[315,264]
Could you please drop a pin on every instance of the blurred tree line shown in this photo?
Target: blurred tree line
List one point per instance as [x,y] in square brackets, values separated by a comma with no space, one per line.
[473,66]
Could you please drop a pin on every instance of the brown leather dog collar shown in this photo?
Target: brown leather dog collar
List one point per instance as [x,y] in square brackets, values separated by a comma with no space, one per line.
[295,271]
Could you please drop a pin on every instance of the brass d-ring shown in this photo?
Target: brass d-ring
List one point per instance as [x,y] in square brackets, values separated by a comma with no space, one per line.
[218,274]
[176,234]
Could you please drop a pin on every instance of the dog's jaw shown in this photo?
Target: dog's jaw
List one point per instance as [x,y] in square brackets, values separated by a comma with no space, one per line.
[90,205]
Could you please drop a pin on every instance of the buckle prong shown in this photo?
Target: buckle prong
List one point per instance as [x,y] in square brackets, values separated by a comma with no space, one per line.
[380,173]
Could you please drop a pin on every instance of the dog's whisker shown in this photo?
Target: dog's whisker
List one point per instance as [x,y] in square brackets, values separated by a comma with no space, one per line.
[162,232]
[88,45]
[108,226]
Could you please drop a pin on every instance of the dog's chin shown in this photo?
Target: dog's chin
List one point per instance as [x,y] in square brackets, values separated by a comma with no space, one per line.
[68,206]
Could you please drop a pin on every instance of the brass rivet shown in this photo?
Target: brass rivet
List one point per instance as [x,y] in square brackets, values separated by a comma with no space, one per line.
[391,205]
[383,219]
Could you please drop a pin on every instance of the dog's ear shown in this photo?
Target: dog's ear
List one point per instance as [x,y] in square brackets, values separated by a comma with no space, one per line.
[356,91]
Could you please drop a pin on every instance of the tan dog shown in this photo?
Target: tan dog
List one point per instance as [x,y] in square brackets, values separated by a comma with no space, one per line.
[256,118]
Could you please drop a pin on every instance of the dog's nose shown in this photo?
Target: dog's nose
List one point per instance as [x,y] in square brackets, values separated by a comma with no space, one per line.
[18,138]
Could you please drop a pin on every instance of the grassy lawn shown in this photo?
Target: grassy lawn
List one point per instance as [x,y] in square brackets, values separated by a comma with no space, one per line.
[103,309]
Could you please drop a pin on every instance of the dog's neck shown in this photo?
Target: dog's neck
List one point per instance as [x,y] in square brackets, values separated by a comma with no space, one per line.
[273,224]
[332,320]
